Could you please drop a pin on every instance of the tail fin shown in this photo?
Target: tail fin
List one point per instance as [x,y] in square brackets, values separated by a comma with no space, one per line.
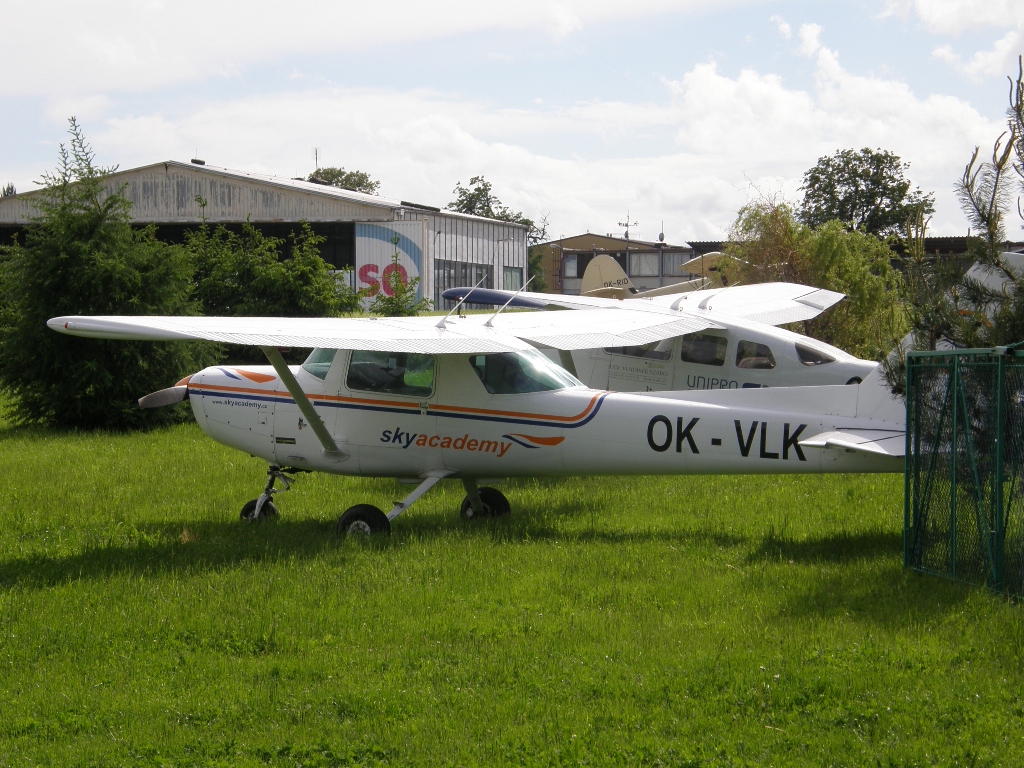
[605,278]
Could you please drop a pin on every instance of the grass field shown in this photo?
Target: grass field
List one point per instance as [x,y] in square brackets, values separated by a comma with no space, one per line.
[695,621]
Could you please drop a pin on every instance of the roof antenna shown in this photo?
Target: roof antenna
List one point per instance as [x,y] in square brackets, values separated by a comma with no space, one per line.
[627,224]
[445,318]
[491,318]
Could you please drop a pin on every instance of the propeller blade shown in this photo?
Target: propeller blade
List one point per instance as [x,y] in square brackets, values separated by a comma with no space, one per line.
[168,396]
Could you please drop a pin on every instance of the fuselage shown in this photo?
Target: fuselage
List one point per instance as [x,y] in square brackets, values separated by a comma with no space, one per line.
[740,355]
[448,415]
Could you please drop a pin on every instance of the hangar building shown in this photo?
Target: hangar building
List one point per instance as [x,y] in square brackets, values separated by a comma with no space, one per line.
[443,248]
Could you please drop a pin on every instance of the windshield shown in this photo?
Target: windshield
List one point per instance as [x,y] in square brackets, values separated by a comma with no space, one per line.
[511,373]
[319,362]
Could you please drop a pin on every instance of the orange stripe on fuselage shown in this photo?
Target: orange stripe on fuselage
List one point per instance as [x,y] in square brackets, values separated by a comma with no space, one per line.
[403,404]
[259,378]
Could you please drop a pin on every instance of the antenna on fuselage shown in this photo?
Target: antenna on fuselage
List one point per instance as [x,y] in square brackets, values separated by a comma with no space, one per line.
[491,318]
[445,318]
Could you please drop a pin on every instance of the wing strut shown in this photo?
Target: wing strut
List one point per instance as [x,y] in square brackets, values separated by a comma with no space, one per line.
[331,450]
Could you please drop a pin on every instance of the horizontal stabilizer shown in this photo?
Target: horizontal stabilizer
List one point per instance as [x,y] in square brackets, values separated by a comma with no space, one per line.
[877,442]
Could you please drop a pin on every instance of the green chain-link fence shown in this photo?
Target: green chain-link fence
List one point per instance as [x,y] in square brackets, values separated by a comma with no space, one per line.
[964,500]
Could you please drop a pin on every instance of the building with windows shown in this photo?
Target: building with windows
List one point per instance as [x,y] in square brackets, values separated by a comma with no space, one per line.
[362,232]
[649,265]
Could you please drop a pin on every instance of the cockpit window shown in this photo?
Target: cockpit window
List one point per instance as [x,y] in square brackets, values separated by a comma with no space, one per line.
[750,354]
[704,348]
[319,362]
[810,356]
[656,350]
[511,373]
[392,373]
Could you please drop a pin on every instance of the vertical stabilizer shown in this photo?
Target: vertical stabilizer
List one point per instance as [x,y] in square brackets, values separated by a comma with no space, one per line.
[604,278]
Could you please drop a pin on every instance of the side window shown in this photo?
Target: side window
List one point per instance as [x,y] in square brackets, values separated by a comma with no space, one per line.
[656,350]
[810,356]
[392,373]
[750,354]
[569,265]
[319,362]
[704,349]
[510,373]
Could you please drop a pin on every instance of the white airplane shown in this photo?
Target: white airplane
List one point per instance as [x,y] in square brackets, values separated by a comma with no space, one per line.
[740,348]
[423,398]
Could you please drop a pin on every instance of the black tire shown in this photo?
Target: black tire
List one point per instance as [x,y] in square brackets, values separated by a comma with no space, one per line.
[494,502]
[856,380]
[364,520]
[268,511]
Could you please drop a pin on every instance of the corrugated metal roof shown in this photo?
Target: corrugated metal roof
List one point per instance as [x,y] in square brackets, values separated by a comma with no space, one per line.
[280,182]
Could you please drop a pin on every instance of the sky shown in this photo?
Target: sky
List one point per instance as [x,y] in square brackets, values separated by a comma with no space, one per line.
[674,113]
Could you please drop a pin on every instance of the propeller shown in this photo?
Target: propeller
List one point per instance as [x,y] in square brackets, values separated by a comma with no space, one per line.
[163,397]
[168,396]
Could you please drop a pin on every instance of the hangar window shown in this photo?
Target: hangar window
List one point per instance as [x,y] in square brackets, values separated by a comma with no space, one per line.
[569,265]
[704,349]
[319,362]
[750,354]
[510,373]
[643,264]
[656,350]
[810,356]
[392,373]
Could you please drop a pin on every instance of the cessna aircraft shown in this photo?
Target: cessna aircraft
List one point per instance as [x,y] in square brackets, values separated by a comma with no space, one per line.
[741,349]
[423,398]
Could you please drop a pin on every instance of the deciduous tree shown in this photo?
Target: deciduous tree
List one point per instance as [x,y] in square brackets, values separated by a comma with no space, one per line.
[864,189]
[477,200]
[357,181]
[767,243]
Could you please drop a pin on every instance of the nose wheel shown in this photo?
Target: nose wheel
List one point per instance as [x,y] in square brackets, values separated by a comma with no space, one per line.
[262,507]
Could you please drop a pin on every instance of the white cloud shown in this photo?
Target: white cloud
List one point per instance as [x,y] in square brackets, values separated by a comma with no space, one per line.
[726,134]
[56,47]
[809,39]
[997,61]
[780,24]
[951,17]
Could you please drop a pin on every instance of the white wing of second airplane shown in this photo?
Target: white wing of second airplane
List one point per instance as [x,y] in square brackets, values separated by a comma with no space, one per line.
[770,303]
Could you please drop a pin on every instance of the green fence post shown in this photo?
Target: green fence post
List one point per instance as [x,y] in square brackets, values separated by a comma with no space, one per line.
[954,380]
[997,496]
[909,463]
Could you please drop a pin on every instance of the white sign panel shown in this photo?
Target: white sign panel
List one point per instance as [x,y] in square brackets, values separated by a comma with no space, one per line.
[376,245]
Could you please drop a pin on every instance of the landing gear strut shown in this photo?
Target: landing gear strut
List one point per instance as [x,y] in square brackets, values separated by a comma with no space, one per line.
[366,519]
[262,507]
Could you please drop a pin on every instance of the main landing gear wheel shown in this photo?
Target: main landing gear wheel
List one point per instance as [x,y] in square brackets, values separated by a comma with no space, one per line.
[364,520]
[249,510]
[493,502]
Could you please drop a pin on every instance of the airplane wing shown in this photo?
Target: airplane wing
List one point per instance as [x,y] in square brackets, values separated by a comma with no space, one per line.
[770,303]
[424,335]
[531,300]
[595,328]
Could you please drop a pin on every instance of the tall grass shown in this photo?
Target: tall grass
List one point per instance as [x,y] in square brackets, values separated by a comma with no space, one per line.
[609,621]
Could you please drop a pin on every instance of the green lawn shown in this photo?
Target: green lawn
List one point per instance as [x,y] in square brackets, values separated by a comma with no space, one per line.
[615,621]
